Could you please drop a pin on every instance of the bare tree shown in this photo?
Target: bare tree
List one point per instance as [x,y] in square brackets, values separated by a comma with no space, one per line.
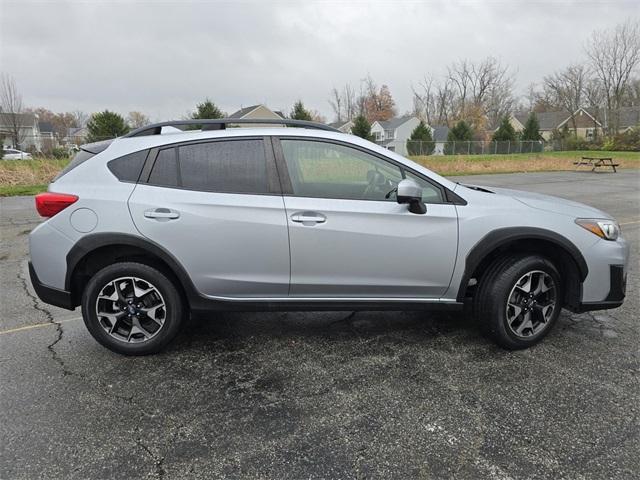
[336,104]
[632,93]
[11,107]
[593,92]
[482,91]
[137,119]
[424,104]
[81,118]
[614,56]
[566,89]
[343,103]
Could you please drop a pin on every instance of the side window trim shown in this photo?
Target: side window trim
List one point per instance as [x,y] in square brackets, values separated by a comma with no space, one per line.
[285,180]
[273,179]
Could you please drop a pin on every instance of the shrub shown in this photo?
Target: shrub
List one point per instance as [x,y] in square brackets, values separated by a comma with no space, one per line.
[576,143]
[59,152]
[628,141]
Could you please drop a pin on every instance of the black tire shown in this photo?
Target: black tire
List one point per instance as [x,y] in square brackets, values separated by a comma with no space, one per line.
[167,293]
[497,287]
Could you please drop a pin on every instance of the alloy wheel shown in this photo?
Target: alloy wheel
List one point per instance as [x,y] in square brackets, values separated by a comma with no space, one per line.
[531,303]
[131,310]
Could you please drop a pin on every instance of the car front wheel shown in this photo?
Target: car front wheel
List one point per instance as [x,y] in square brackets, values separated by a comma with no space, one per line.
[132,308]
[519,300]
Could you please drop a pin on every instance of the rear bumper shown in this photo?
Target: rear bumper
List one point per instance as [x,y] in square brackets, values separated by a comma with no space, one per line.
[617,290]
[50,295]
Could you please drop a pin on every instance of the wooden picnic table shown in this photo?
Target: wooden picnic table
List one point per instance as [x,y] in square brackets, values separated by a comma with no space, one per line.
[596,162]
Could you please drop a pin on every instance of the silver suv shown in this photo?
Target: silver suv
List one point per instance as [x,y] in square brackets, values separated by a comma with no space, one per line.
[143,229]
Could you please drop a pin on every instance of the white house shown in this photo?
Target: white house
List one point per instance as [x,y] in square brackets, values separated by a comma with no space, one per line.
[29,138]
[394,133]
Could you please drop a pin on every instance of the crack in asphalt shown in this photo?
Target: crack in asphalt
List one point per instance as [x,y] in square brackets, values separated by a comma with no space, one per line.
[157,461]
[49,317]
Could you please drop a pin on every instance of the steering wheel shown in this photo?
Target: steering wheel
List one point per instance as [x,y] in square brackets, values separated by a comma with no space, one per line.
[376,181]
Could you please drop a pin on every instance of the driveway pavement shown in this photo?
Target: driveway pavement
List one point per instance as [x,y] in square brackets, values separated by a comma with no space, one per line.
[324,395]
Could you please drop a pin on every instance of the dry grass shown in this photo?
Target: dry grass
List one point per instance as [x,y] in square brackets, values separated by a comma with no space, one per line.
[29,172]
[542,162]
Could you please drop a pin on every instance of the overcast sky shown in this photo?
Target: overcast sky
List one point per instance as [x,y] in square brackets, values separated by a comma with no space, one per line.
[162,57]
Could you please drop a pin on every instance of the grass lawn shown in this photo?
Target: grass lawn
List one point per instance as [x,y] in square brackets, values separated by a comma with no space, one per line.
[28,177]
[449,165]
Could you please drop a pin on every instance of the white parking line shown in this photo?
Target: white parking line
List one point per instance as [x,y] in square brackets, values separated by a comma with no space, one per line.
[38,325]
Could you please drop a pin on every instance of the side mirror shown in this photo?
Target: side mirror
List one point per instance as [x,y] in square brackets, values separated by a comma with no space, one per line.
[410,192]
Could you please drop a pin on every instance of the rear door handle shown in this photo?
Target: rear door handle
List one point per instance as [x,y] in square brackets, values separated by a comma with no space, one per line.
[308,218]
[161,214]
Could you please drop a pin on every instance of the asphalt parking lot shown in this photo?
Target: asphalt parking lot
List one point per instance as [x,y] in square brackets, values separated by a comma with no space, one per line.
[324,395]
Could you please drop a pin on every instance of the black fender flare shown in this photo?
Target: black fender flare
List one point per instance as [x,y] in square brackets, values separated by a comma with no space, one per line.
[89,243]
[502,236]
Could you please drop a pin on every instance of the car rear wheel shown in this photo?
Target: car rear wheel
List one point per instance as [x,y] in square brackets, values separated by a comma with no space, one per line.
[132,308]
[519,300]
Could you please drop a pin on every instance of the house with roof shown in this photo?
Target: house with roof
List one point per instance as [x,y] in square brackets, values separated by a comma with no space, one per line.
[344,126]
[28,132]
[47,136]
[585,123]
[260,112]
[394,133]
[629,118]
[75,136]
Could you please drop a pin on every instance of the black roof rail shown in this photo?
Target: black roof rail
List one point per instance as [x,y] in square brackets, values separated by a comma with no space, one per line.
[221,124]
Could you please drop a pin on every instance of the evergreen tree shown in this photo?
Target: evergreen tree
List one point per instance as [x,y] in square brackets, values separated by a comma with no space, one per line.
[461,133]
[299,112]
[421,141]
[361,127]
[505,131]
[207,109]
[105,125]
[531,130]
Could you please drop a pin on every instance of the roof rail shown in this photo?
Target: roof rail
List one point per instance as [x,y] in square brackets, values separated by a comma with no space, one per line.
[221,124]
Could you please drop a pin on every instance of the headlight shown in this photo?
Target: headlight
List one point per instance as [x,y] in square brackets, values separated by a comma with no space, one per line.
[607,229]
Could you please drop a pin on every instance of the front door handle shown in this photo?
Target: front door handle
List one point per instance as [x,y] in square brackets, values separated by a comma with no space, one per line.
[161,214]
[308,218]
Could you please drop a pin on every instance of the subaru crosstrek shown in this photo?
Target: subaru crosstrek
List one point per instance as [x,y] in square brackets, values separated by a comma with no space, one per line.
[149,227]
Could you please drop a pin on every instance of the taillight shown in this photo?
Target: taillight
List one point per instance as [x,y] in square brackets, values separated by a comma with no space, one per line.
[48,204]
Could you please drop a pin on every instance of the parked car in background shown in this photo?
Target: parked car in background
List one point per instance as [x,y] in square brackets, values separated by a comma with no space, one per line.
[13,154]
[147,227]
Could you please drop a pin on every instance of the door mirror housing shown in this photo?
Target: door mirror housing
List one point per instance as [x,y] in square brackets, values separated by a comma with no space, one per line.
[410,192]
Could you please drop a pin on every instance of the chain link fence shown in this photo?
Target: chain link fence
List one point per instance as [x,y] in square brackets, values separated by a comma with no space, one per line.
[474,147]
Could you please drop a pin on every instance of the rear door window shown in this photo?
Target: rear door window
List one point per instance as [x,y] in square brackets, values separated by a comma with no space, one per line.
[236,166]
[230,166]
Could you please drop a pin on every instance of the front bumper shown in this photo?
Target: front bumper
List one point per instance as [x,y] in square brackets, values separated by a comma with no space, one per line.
[617,290]
[50,295]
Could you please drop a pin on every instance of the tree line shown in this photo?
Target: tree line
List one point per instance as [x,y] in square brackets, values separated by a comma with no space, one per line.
[472,97]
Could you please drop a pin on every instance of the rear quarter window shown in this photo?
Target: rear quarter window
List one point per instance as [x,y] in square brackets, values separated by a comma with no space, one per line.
[128,168]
